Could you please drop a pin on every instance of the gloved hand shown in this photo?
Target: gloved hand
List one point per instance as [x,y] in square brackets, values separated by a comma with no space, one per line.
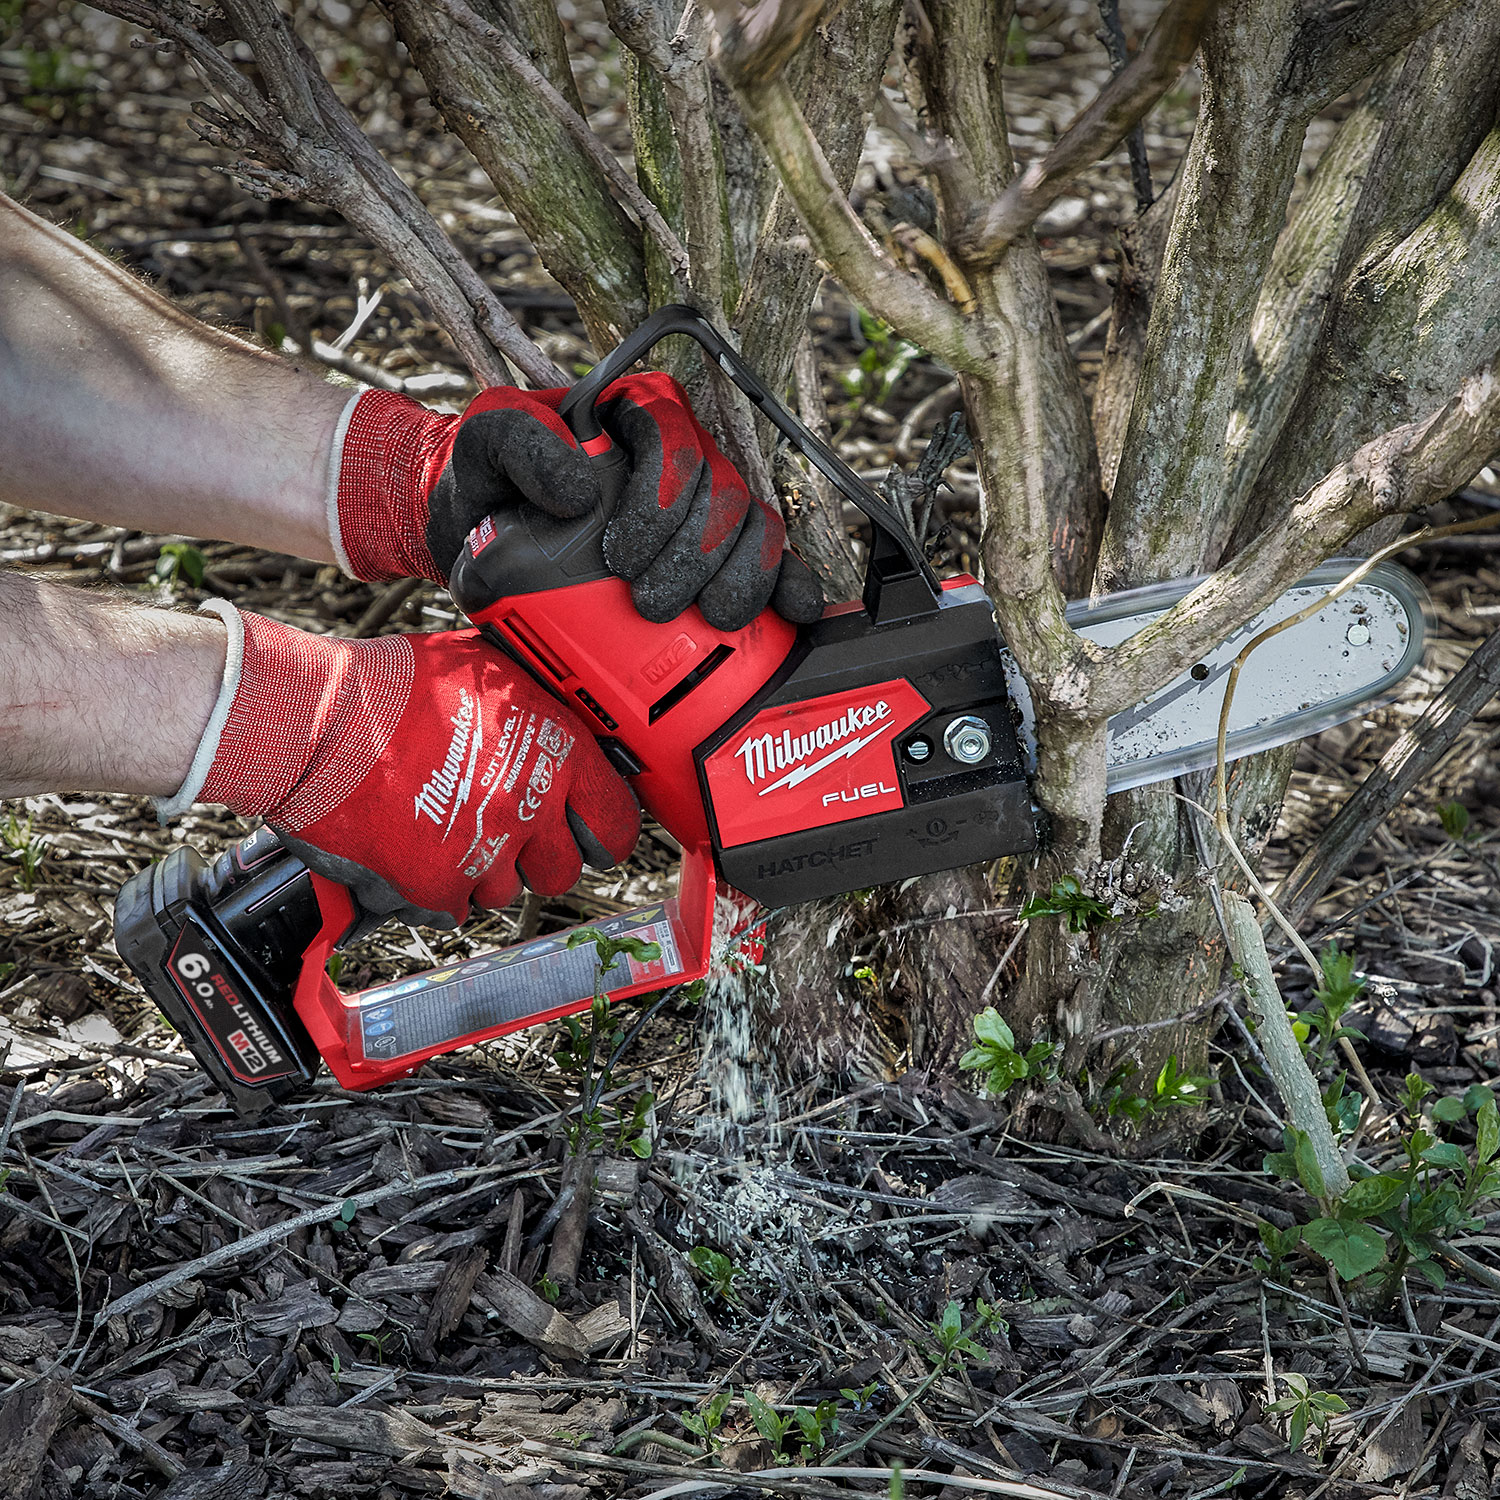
[426,772]
[413,483]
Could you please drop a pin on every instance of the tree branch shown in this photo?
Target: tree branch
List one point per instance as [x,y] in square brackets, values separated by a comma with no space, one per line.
[505,47]
[1342,44]
[869,275]
[836,78]
[1415,300]
[679,64]
[991,228]
[315,150]
[560,194]
[1399,472]
[1236,179]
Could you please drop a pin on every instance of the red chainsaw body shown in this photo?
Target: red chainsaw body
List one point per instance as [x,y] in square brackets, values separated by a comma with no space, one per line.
[656,692]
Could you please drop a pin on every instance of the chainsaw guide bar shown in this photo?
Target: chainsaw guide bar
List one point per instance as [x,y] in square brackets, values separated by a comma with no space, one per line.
[1339,663]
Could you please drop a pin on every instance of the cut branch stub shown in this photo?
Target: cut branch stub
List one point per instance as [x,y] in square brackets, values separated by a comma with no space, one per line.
[755,42]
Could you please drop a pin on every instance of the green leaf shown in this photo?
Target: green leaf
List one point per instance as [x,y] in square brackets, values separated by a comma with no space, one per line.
[1371,1196]
[1309,1173]
[1297,1427]
[1280,1164]
[951,1324]
[179,560]
[1414,1090]
[1475,1095]
[1446,1154]
[1487,1131]
[1350,1248]
[1449,1110]
[989,1026]
[1454,817]
[1432,1271]
[767,1423]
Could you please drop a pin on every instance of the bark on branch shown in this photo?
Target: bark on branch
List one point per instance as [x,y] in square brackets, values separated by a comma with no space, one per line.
[1394,474]
[312,148]
[1341,44]
[868,273]
[502,44]
[1125,100]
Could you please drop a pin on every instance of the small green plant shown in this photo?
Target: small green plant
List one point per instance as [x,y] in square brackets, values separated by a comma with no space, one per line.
[813,1425]
[547,1289]
[1172,1088]
[1454,817]
[989,1318]
[178,560]
[897,1490]
[995,1057]
[376,1342]
[705,1422]
[347,1210]
[885,358]
[863,1399]
[24,849]
[1419,1208]
[1279,1243]
[953,1338]
[769,1423]
[338,1368]
[716,1269]
[335,966]
[634,1134]
[1068,899]
[1338,987]
[1306,1408]
[578,1051]
[816,1424]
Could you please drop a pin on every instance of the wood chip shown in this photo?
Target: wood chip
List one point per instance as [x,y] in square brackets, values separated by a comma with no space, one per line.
[525,1313]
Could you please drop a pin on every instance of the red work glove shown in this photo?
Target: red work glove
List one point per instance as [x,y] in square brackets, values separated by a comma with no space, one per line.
[412,484]
[426,772]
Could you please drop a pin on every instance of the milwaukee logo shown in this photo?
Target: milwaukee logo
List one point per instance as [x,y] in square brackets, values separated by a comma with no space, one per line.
[451,781]
[764,755]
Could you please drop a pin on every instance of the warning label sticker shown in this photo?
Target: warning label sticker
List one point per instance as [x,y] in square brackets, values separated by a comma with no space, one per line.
[498,989]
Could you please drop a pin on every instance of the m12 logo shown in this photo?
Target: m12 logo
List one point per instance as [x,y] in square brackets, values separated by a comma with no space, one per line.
[806,765]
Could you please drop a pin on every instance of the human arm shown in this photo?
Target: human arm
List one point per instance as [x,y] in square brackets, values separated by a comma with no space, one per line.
[122,409]
[426,772]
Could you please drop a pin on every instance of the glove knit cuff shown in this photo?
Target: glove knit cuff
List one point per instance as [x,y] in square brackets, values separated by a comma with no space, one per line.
[310,718]
[381,473]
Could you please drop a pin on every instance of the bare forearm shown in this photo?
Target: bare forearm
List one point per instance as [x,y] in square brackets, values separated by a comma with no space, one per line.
[98,693]
[119,408]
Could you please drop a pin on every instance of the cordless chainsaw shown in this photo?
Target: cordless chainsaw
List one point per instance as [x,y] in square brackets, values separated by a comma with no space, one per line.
[890,739]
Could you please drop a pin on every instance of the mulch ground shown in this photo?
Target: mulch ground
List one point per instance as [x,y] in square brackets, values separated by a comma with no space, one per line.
[377,1295]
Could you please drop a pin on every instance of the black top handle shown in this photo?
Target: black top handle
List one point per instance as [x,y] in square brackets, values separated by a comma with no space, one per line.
[899,581]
